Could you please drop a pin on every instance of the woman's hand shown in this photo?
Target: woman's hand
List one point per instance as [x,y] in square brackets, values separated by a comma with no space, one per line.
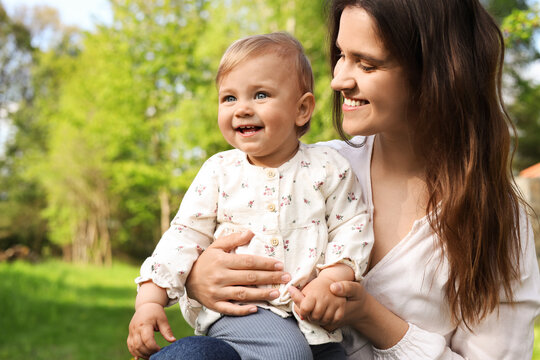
[217,277]
[355,296]
[364,313]
[318,304]
[355,308]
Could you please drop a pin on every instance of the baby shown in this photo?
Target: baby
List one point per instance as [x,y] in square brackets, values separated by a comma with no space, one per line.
[303,204]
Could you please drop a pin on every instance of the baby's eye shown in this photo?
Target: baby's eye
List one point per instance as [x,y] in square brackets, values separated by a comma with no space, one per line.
[229,98]
[260,96]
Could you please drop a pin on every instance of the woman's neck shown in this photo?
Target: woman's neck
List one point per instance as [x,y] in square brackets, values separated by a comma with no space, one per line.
[394,154]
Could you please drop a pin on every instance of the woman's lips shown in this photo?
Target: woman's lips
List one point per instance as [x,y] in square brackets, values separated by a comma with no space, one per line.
[353,104]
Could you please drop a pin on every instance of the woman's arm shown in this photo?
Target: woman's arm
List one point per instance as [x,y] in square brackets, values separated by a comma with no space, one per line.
[362,312]
[219,277]
[506,333]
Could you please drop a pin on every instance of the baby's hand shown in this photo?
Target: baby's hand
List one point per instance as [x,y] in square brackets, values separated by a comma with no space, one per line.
[317,304]
[148,318]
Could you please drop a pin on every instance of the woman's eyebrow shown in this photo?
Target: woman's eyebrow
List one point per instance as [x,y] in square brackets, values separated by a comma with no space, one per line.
[363,56]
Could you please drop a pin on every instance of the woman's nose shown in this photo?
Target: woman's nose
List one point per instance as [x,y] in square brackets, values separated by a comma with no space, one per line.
[343,79]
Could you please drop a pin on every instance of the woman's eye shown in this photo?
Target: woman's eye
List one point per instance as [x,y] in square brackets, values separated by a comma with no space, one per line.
[260,95]
[368,68]
[229,98]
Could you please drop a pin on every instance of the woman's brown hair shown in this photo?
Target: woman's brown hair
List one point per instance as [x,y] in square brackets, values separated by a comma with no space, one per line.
[452,52]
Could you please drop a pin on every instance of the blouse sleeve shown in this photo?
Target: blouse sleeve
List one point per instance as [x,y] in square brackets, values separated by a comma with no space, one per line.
[190,233]
[350,234]
[505,334]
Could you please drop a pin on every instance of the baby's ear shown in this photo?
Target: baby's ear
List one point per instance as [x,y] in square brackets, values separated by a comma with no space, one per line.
[304,109]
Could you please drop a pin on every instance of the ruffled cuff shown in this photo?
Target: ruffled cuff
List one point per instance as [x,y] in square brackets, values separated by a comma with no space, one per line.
[346,261]
[161,276]
[417,344]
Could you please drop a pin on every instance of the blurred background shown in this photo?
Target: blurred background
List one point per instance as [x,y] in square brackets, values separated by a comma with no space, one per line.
[107,110]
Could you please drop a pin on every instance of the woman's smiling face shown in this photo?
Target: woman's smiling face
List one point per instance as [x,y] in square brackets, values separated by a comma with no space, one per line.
[373,84]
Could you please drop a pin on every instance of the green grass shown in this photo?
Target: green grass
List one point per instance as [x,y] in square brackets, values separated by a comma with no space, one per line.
[536,348]
[56,310]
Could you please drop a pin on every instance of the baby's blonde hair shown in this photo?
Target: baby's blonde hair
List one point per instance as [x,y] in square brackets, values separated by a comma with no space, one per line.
[280,43]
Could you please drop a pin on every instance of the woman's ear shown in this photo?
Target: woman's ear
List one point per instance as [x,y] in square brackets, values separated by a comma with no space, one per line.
[305,108]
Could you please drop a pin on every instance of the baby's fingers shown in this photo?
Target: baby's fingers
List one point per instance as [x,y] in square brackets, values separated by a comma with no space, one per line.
[137,345]
[297,297]
[165,330]
[149,345]
[307,306]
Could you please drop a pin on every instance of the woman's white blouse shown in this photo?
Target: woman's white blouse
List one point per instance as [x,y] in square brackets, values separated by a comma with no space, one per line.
[410,280]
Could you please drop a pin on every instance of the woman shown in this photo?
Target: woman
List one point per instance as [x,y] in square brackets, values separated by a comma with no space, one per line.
[453,273]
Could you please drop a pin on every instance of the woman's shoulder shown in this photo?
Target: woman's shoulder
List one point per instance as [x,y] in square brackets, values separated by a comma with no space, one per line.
[354,155]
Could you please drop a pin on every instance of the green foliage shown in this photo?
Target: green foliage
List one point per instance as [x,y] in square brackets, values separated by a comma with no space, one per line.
[520,29]
[120,119]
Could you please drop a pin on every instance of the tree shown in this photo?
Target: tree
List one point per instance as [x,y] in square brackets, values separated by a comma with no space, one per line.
[519,28]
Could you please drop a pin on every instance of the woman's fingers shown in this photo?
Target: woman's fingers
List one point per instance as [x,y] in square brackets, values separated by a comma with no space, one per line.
[229,277]
[253,262]
[230,242]
[349,289]
[231,309]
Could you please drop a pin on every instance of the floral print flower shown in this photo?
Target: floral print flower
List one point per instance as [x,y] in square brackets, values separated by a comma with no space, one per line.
[286,245]
[285,200]
[199,249]
[180,228]
[337,249]
[155,267]
[268,191]
[318,185]
[269,250]
[358,227]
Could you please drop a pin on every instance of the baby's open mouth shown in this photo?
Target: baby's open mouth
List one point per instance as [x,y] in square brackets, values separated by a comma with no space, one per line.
[250,129]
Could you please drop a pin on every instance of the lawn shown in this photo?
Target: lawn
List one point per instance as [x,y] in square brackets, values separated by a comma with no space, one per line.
[56,310]
[59,311]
